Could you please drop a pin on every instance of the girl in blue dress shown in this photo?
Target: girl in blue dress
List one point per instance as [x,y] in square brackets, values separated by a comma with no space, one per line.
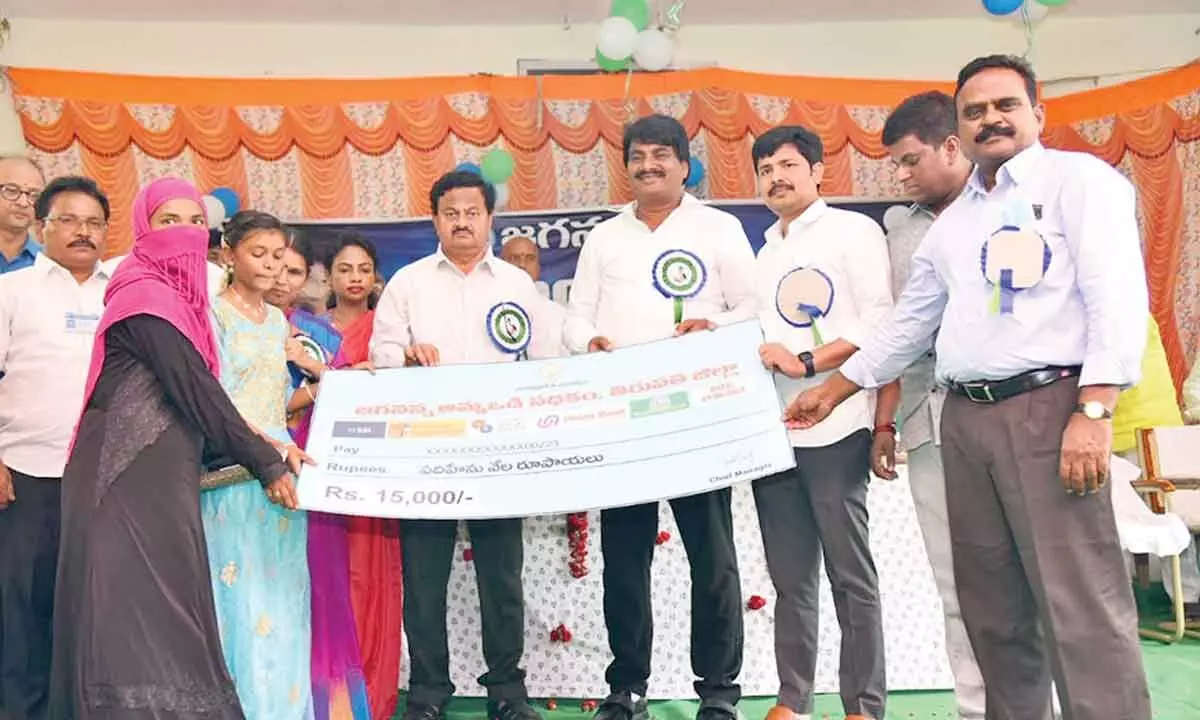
[257,550]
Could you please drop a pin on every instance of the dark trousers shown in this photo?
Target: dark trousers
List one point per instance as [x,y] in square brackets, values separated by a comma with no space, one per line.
[428,553]
[28,562]
[819,508]
[627,538]
[1040,574]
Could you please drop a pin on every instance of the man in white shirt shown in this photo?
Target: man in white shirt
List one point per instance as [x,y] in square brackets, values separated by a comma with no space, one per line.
[433,312]
[548,316]
[48,317]
[823,282]
[1032,281]
[666,265]
[931,167]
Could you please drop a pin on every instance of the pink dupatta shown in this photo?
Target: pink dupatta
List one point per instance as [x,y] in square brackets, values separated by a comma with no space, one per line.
[165,276]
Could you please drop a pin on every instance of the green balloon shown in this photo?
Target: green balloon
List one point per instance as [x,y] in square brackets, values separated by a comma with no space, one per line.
[1052,3]
[497,166]
[636,11]
[609,65]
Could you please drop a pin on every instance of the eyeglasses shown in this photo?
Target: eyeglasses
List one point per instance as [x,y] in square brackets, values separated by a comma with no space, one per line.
[73,223]
[12,193]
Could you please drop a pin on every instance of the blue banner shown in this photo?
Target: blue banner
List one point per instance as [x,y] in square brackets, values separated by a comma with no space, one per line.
[559,234]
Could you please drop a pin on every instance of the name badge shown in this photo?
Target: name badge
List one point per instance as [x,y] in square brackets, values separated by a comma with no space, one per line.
[80,323]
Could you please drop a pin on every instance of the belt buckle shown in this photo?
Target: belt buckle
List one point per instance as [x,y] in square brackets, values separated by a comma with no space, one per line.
[978,392]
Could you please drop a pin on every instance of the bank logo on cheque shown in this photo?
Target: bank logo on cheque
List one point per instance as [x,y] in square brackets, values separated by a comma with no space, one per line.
[645,407]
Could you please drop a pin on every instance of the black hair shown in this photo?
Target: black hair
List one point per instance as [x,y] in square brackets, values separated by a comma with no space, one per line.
[299,244]
[930,117]
[353,239]
[806,142]
[456,179]
[245,223]
[69,184]
[657,130]
[1002,62]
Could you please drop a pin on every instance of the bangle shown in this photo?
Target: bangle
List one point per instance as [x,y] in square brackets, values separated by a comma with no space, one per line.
[885,428]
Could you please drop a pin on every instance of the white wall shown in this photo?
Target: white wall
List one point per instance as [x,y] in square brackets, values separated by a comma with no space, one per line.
[1114,48]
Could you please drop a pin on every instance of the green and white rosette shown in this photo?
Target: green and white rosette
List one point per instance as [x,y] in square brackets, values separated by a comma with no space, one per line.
[509,327]
[679,275]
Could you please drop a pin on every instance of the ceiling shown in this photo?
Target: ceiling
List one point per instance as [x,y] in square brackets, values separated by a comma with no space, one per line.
[500,12]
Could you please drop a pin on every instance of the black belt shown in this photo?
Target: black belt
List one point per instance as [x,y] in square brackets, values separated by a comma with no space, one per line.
[994,391]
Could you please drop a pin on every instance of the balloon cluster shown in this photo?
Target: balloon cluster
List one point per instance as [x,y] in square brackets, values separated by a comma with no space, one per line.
[626,38]
[220,205]
[1034,10]
[495,168]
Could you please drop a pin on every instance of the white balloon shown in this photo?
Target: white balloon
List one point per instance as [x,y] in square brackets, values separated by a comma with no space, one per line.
[1037,12]
[894,217]
[502,196]
[616,38]
[654,50]
[215,210]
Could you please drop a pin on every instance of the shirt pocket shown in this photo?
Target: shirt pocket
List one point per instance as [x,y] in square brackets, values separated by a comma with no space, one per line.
[1062,264]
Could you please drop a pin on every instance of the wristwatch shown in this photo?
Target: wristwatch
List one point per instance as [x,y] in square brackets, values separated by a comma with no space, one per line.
[810,367]
[1094,410]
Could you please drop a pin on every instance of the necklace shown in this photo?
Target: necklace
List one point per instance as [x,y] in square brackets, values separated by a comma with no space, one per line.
[259,312]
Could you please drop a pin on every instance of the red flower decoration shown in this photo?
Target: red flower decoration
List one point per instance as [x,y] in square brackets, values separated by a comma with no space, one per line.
[551,704]
[577,539]
[756,602]
[588,706]
[468,554]
[662,537]
[560,634]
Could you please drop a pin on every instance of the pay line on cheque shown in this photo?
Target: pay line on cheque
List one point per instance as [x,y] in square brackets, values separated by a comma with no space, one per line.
[524,447]
[381,472]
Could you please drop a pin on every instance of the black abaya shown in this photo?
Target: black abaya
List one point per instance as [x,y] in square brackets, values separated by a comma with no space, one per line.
[135,629]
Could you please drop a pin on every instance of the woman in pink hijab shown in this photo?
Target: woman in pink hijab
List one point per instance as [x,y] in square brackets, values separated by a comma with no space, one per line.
[135,630]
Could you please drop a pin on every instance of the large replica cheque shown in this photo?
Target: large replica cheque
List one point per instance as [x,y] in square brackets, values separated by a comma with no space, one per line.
[661,420]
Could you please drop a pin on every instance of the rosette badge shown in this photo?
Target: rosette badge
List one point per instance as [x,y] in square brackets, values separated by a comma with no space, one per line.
[1016,257]
[804,295]
[509,327]
[313,349]
[678,275]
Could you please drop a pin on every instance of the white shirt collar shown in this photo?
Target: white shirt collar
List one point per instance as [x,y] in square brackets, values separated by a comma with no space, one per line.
[688,202]
[811,214]
[484,262]
[48,265]
[1015,171]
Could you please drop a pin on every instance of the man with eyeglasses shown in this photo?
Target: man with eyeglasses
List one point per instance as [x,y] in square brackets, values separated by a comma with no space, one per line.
[48,317]
[21,182]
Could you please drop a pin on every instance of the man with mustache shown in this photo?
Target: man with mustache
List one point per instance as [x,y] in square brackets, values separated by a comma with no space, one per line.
[932,169]
[21,182]
[433,312]
[823,282]
[624,294]
[1034,277]
[48,317]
